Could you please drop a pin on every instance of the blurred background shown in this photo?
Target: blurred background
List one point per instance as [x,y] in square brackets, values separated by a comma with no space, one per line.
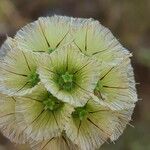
[129,20]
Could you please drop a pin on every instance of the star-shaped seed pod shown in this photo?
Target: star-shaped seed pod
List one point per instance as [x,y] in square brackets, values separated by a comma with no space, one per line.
[8,123]
[69,75]
[40,115]
[114,88]
[18,73]
[95,40]
[52,32]
[92,125]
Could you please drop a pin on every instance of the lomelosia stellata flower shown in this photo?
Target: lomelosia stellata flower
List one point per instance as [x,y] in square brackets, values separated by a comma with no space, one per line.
[65,83]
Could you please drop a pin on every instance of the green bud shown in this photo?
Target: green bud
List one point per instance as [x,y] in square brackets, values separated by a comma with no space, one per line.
[33,79]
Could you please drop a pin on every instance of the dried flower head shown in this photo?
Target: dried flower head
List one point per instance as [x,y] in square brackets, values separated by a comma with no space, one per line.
[65,83]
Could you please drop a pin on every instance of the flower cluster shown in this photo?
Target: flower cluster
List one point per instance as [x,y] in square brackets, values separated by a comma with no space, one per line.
[65,84]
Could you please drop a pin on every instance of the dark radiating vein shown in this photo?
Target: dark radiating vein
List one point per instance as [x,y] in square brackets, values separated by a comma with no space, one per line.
[33,121]
[39,51]
[66,142]
[107,73]
[95,125]
[82,88]
[87,102]
[98,127]
[104,49]
[79,128]
[24,75]
[55,119]
[100,51]
[77,46]
[47,143]
[48,44]
[67,62]
[26,60]
[7,115]
[113,87]
[50,71]
[81,68]
[36,117]
[22,87]
[62,39]
[13,99]
[85,48]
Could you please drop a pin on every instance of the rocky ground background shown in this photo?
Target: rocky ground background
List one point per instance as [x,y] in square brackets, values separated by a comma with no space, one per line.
[127,19]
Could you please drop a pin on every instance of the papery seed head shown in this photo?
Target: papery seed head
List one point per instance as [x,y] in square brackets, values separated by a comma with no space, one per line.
[66,83]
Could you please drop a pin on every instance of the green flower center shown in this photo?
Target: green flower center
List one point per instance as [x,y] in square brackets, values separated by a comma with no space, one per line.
[65,81]
[67,77]
[33,79]
[80,112]
[50,50]
[52,103]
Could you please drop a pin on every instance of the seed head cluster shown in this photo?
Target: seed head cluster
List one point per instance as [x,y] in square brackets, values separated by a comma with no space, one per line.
[65,84]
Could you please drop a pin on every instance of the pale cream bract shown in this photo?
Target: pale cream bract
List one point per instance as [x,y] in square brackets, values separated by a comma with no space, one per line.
[65,83]
[8,124]
[18,73]
[84,71]
[38,122]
